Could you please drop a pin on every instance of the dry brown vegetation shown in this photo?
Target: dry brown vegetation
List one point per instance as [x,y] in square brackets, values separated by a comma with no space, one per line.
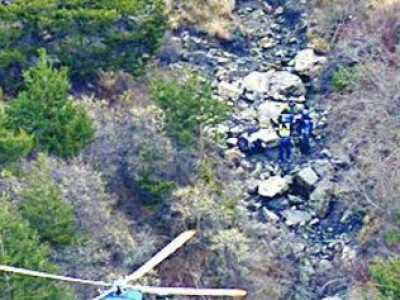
[365,119]
[214,17]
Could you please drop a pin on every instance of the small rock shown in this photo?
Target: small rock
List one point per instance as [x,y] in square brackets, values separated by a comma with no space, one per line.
[252,185]
[348,254]
[326,153]
[333,298]
[306,180]
[267,43]
[269,215]
[324,265]
[298,247]
[233,156]
[294,200]
[296,217]
[273,186]
[231,91]
[232,141]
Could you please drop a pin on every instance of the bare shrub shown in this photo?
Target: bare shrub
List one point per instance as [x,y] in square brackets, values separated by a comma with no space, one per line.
[365,121]
[214,17]
[111,244]
[231,250]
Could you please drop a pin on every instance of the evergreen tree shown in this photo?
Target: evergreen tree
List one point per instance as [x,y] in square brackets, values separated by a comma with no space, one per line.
[83,35]
[20,247]
[44,110]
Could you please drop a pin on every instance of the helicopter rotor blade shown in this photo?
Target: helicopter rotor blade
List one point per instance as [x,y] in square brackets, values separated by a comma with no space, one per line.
[174,291]
[104,294]
[52,276]
[162,255]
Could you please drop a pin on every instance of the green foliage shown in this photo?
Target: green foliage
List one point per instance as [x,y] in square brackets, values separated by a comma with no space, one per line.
[149,182]
[43,206]
[84,35]
[392,238]
[12,145]
[188,105]
[345,78]
[386,274]
[20,247]
[44,110]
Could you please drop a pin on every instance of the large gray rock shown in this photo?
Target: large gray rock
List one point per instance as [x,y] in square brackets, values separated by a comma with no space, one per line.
[256,82]
[267,111]
[308,63]
[306,180]
[321,197]
[296,217]
[273,186]
[231,91]
[267,136]
[278,85]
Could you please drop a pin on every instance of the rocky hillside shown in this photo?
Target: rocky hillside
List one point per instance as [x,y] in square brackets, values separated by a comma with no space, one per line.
[104,164]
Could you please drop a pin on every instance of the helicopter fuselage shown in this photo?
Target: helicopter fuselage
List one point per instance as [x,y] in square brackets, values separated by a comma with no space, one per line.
[127,295]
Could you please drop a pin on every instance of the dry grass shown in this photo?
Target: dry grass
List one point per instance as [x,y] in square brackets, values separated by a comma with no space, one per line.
[214,17]
[365,122]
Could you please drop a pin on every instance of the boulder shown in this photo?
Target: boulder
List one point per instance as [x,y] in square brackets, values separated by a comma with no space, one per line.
[296,217]
[321,198]
[282,84]
[306,180]
[273,186]
[230,91]
[267,111]
[332,298]
[267,136]
[307,63]
[278,85]
[256,82]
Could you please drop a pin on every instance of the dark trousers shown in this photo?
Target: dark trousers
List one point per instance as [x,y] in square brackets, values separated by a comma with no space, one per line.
[285,149]
[304,144]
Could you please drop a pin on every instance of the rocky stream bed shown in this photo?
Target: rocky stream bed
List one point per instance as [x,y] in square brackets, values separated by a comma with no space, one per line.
[257,73]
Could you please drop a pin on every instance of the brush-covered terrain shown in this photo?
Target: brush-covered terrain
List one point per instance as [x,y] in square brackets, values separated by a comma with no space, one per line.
[119,129]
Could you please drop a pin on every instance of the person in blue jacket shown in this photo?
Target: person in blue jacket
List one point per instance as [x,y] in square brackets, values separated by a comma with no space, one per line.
[306,127]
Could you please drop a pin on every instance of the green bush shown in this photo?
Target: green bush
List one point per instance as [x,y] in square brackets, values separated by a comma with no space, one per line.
[43,206]
[188,105]
[44,110]
[345,78]
[150,180]
[12,146]
[84,35]
[386,274]
[20,247]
